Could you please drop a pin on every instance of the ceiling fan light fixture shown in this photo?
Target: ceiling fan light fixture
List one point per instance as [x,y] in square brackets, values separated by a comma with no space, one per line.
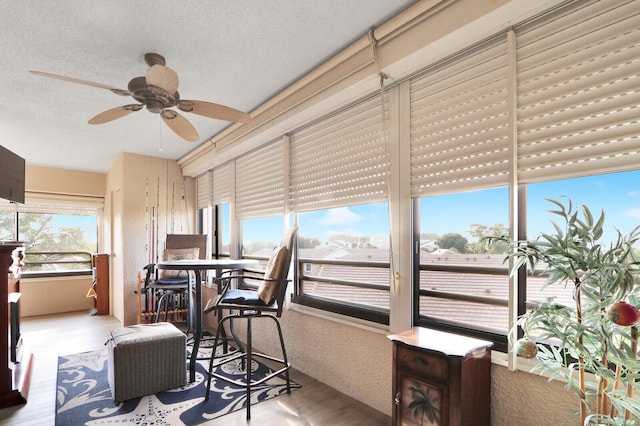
[155,106]
[137,84]
[158,91]
[163,77]
[154,59]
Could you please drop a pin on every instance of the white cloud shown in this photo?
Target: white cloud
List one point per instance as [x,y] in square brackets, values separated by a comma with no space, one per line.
[633,213]
[340,216]
[346,231]
[634,194]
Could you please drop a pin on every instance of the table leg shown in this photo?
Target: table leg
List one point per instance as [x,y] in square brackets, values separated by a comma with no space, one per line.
[197,327]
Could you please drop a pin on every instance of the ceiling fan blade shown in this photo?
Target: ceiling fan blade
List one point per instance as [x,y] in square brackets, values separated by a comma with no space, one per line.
[79,81]
[163,77]
[180,125]
[211,110]
[115,113]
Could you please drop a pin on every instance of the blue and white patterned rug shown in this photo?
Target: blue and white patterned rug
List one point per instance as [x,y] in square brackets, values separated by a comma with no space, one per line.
[84,396]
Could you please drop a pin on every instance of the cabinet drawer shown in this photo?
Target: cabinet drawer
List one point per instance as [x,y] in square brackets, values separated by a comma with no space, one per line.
[423,363]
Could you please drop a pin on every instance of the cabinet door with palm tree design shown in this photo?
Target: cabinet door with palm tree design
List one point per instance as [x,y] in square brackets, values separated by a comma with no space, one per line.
[420,403]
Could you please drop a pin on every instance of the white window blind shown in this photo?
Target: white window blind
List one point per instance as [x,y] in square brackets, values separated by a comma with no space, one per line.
[223,183]
[341,160]
[204,190]
[579,91]
[459,133]
[260,182]
[55,204]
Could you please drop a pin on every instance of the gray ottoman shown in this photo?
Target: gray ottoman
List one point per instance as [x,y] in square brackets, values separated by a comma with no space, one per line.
[146,358]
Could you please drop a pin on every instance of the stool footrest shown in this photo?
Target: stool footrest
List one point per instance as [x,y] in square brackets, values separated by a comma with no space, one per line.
[145,359]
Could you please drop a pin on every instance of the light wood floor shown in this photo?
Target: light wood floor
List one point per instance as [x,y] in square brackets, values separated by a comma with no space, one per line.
[48,337]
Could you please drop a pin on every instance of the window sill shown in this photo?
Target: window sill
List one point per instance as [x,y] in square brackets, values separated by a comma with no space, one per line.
[51,274]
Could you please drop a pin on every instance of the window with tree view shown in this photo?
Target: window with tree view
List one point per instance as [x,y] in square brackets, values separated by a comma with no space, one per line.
[463,281]
[260,235]
[56,242]
[344,260]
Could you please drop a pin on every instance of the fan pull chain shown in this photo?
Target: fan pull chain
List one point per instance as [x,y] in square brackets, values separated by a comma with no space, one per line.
[383,77]
[160,148]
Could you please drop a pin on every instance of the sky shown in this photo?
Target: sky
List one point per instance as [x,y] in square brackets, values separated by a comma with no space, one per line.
[618,194]
[87,223]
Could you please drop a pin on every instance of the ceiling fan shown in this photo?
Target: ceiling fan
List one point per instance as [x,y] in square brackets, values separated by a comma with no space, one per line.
[158,91]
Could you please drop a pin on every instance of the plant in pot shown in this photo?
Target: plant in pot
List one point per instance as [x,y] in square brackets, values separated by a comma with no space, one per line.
[592,342]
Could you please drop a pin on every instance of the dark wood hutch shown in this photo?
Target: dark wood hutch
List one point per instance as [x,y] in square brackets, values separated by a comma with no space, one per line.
[15,370]
[442,377]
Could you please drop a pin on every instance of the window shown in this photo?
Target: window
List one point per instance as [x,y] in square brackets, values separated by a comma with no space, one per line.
[461,280]
[534,108]
[61,232]
[617,194]
[261,235]
[344,256]
[524,111]
[224,230]
[338,185]
[215,221]
[8,231]
[57,243]
[464,284]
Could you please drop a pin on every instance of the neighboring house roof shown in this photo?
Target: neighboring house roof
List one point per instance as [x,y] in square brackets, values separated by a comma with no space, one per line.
[483,285]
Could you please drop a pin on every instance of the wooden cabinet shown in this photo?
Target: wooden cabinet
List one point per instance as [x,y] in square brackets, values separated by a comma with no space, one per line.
[15,368]
[440,379]
[100,264]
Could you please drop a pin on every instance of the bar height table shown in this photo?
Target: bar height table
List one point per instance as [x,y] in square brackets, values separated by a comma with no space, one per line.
[197,266]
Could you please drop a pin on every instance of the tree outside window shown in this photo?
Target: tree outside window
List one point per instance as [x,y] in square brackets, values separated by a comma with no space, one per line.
[56,242]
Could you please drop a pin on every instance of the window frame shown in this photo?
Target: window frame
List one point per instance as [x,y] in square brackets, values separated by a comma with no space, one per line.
[500,341]
[26,273]
[368,313]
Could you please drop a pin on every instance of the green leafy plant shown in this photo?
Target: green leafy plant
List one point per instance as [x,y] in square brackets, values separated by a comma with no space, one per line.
[585,338]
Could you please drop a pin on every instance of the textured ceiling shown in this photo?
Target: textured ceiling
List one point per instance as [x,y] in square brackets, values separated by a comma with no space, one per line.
[233,52]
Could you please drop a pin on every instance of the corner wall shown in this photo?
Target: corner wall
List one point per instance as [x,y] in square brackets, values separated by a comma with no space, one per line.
[44,296]
[147,198]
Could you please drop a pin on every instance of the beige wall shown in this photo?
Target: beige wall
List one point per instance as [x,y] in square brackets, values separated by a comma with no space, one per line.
[43,296]
[358,362]
[525,399]
[59,181]
[114,184]
[144,203]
